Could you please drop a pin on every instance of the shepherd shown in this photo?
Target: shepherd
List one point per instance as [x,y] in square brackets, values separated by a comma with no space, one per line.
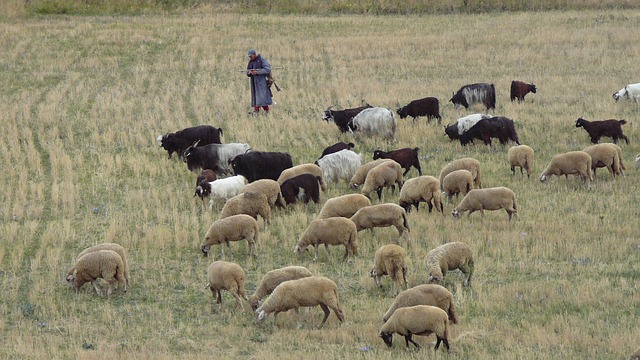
[258,71]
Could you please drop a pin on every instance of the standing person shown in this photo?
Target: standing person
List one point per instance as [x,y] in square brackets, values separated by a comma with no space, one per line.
[258,71]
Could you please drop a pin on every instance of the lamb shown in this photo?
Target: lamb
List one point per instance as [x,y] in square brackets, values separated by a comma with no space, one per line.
[572,162]
[387,174]
[428,294]
[305,292]
[606,155]
[390,260]
[522,156]
[417,320]
[270,188]
[113,247]
[223,275]
[339,165]
[207,175]
[343,206]
[337,147]
[223,189]
[312,169]
[456,182]
[375,121]
[382,215]
[249,203]
[274,278]
[610,128]
[422,188]
[450,256]
[233,228]
[330,231]
[105,264]
[470,164]
[488,199]
[406,157]
[361,173]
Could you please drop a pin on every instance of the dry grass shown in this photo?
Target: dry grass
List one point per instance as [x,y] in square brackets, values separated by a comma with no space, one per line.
[84,99]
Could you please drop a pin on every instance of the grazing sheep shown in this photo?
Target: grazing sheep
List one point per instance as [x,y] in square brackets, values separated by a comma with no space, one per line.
[635,355]
[232,228]
[465,123]
[422,188]
[572,162]
[113,247]
[312,169]
[270,188]
[520,89]
[223,275]
[488,199]
[417,320]
[428,294]
[206,175]
[223,189]
[274,278]
[406,157]
[522,156]
[456,182]
[305,292]
[213,156]
[375,121]
[337,147]
[339,165]
[305,187]
[382,215]
[387,174]
[450,256]
[470,164]
[330,231]
[105,264]
[606,155]
[630,91]
[360,175]
[250,203]
[390,260]
[610,128]
[343,206]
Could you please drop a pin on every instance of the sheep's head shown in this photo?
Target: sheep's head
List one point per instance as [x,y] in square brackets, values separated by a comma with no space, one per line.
[377,154]
[299,250]
[456,214]
[580,122]
[71,277]
[435,278]
[387,338]
[373,273]
[544,178]
[254,303]
[353,186]
[205,248]
[261,315]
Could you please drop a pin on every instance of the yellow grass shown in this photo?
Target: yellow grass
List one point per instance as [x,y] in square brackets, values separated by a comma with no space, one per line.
[85,97]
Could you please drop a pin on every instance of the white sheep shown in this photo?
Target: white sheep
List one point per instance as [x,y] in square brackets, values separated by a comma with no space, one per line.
[105,264]
[390,260]
[426,294]
[456,182]
[250,203]
[382,215]
[421,189]
[606,155]
[387,174]
[343,206]
[232,228]
[330,231]
[223,189]
[360,175]
[417,320]
[274,278]
[470,164]
[465,123]
[312,169]
[113,247]
[450,256]
[339,165]
[488,199]
[270,188]
[630,91]
[375,121]
[226,153]
[305,292]
[521,156]
[223,275]
[572,162]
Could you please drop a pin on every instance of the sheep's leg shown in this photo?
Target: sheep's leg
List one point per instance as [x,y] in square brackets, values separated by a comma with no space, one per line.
[481,212]
[346,252]
[430,206]
[408,339]
[315,256]
[325,308]
[238,300]
[219,299]
[326,246]
[110,286]
[379,192]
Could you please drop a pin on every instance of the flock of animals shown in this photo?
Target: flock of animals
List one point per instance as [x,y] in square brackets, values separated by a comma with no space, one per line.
[263,181]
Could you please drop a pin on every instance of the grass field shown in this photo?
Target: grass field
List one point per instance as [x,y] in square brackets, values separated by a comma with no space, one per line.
[84,99]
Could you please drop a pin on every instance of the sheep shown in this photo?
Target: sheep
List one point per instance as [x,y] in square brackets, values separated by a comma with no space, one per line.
[360,175]
[113,247]
[207,175]
[456,182]
[390,260]
[223,275]
[305,292]
[312,169]
[406,157]
[339,165]
[375,121]
[417,320]
[387,174]
[606,155]
[105,264]
[382,215]
[635,355]
[422,188]
[610,128]
[488,199]
[305,187]
[337,147]
[572,162]
[520,89]
[522,156]
[630,91]
[270,188]
[465,123]
[249,203]
[449,256]
[343,206]
[223,189]
[427,294]
[330,231]
[233,228]
[470,164]
[274,278]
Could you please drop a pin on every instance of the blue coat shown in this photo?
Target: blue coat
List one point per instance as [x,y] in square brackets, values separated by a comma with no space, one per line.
[260,93]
